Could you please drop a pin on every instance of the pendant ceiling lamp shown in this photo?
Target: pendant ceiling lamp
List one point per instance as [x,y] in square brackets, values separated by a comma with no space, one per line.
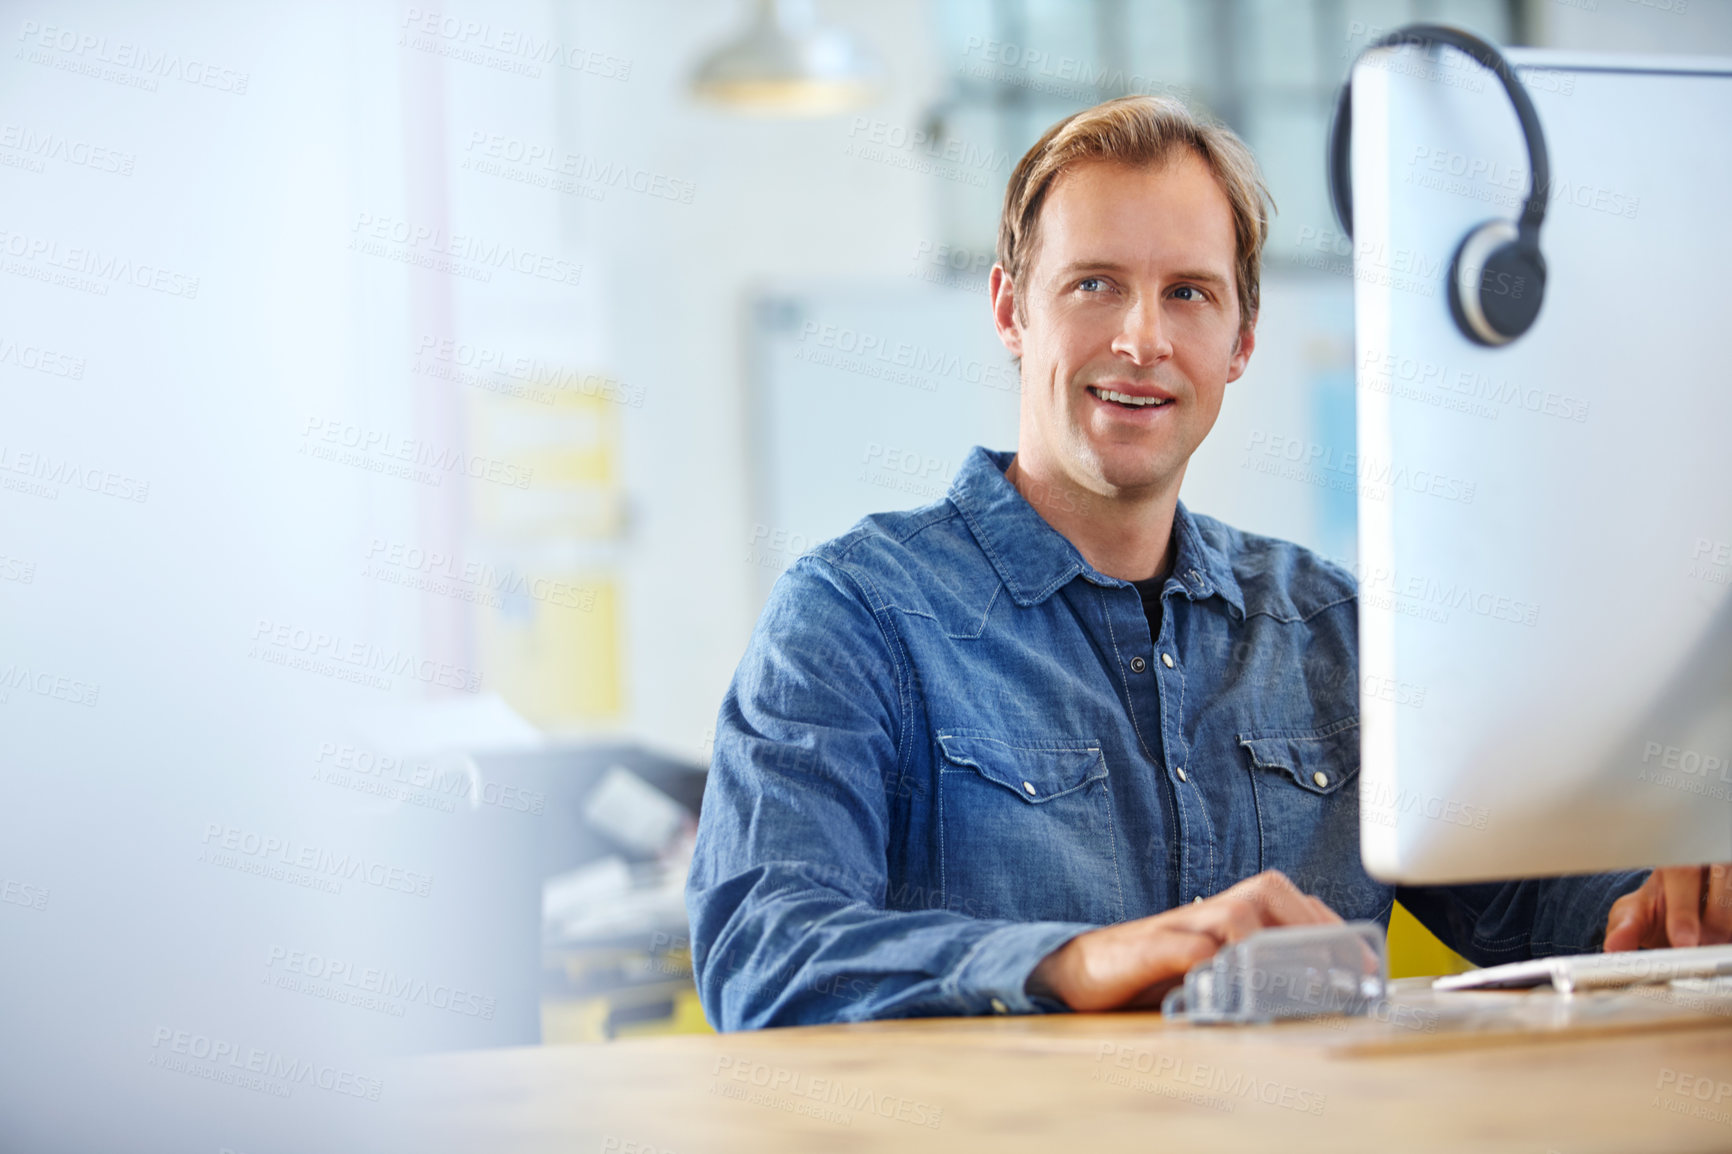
[785,63]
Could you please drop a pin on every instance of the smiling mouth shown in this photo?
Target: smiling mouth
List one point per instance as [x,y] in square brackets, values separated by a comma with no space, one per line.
[1127,401]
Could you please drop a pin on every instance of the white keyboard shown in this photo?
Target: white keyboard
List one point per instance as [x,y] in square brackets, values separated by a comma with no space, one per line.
[1597,971]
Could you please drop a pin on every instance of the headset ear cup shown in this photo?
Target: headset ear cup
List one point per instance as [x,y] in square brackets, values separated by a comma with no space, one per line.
[1496,284]
[1512,288]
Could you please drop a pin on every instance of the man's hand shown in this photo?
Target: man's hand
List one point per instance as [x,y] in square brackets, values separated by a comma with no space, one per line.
[1676,906]
[1133,964]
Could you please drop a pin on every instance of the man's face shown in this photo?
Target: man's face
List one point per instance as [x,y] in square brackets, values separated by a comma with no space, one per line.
[1130,325]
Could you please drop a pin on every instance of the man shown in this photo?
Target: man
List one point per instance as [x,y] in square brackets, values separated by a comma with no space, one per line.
[1051,741]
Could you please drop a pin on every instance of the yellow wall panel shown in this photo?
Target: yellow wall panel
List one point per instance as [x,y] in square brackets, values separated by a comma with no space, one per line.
[553,663]
[1415,951]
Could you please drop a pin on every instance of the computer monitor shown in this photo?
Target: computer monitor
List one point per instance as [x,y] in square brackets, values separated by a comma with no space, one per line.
[1545,544]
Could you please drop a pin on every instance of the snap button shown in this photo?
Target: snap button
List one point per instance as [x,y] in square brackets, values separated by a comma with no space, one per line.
[1030,788]
[1196,899]
[1138,665]
[1181,772]
[998,1006]
[1167,660]
[1322,779]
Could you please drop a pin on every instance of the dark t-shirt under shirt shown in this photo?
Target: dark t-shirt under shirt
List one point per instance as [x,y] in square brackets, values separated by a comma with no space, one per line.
[1151,594]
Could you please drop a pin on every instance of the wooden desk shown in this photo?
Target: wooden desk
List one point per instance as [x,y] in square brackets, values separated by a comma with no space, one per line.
[1644,1070]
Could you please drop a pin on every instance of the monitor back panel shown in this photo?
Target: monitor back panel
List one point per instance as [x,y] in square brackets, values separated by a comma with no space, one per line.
[1546,527]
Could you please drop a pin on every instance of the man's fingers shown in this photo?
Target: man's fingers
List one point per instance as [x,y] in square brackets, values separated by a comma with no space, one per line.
[1173,955]
[1717,906]
[1255,904]
[1132,963]
[1226,917]
[1279,902]
[1634,919]
[1682,886]
[1623,928]
[1628,919]
[1326,915]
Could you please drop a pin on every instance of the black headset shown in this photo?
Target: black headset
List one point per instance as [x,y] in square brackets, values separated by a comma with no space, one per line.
[1498,276]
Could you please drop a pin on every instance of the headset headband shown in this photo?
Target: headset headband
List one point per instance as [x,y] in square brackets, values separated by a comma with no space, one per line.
[1539,166]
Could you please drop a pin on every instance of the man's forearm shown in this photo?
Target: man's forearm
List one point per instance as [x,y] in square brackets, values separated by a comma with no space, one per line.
[801,956]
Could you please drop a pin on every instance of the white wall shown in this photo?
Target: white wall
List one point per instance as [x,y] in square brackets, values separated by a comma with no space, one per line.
[775,199]
[1686,27]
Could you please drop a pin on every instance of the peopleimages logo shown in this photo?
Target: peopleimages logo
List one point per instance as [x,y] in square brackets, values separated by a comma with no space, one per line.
[503,48]
[1378,584]
[860,351]
[435,572]
[455,252]
[1711,561]
[37,145]
[285,643]
[1507,185]
[537,163]
[952,264]
[253,1067]
[17,893]
[340,980]
[1300,459]
[34,257]
[40,360]
[1384,805]
[1697,1095]
[1015,66]
[919,151]
[414,459]
[88,53]
[47,472]
[1368,261]
[1222,1087]
[792,1090]
[1462,390]
[323,864]
[540,380]
[16,678]
[1686,770]
[420,782]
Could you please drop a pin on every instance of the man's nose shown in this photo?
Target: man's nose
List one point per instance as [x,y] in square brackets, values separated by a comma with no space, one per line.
[1143,338]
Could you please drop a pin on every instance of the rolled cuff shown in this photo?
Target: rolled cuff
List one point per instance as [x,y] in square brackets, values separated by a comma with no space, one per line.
[992,977]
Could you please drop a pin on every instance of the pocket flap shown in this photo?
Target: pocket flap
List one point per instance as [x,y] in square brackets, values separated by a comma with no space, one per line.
[1036,772]
[1320,761]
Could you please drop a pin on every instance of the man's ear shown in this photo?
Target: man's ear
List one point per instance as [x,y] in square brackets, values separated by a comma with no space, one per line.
[1242,348]
[1003,294]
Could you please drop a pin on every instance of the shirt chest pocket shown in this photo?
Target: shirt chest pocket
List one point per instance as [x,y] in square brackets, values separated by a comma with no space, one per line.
[1307,790]
[1026,829]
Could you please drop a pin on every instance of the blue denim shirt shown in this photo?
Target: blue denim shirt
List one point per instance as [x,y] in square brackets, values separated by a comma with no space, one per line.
[952,745]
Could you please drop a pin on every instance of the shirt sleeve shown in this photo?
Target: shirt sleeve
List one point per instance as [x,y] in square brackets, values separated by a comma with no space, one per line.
[786,894]
[1494,922]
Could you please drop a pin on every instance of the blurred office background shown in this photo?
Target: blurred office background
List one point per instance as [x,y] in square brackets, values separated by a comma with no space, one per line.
[404,413]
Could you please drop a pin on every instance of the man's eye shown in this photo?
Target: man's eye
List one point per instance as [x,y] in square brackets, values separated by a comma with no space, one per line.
[1192,292]
[1091,284]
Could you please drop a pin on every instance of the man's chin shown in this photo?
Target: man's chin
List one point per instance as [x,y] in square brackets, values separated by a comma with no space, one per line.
[1130,472]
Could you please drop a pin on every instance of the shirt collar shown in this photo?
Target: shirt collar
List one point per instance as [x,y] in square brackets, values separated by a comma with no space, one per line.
[1034,560]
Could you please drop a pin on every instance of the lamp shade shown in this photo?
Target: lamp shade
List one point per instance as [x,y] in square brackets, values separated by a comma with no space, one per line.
[786,64]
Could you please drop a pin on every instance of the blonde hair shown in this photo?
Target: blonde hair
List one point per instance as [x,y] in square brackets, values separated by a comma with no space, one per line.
[1137,130]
